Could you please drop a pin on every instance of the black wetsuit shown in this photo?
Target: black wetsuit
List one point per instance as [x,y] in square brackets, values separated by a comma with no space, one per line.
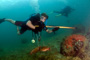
[35,21]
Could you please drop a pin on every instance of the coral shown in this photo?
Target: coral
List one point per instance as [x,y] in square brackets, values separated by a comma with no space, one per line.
[74,45]
[71,40]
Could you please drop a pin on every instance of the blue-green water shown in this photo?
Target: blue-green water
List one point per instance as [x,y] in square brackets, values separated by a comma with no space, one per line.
[22,9]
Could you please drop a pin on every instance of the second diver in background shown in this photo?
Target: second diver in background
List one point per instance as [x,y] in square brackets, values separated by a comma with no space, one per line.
[64,12]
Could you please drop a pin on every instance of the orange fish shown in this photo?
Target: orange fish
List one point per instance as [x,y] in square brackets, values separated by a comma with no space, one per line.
[37,49]
[42,49]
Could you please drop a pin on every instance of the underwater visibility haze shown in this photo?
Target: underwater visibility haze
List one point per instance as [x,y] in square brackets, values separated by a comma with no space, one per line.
[67,19]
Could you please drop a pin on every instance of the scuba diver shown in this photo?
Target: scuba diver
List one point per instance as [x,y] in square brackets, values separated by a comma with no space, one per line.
[64,12]
[34,23]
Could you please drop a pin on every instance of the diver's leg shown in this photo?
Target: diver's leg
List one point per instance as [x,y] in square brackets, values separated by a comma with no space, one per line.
[21,31]
[17,23]
[10,20]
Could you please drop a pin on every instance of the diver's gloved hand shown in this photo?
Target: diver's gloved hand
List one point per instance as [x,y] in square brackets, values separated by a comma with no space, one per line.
[55,29]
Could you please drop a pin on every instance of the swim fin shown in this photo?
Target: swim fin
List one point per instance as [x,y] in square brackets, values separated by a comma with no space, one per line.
[2,20]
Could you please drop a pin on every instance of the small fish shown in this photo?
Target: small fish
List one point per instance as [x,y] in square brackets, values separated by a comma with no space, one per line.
[37,49]
[42,49]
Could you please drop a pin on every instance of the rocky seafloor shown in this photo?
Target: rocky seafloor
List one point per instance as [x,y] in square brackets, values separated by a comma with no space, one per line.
[55,50]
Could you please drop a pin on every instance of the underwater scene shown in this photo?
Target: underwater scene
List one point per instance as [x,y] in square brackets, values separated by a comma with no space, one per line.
[44,29]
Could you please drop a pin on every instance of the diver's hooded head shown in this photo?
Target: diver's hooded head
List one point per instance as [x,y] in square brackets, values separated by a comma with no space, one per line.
[43,17]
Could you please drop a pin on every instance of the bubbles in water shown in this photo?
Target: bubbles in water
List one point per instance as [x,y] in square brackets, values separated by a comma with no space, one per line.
[35,5]
[4,4]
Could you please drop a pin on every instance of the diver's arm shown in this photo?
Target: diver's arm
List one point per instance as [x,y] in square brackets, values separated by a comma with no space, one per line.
[29,24]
